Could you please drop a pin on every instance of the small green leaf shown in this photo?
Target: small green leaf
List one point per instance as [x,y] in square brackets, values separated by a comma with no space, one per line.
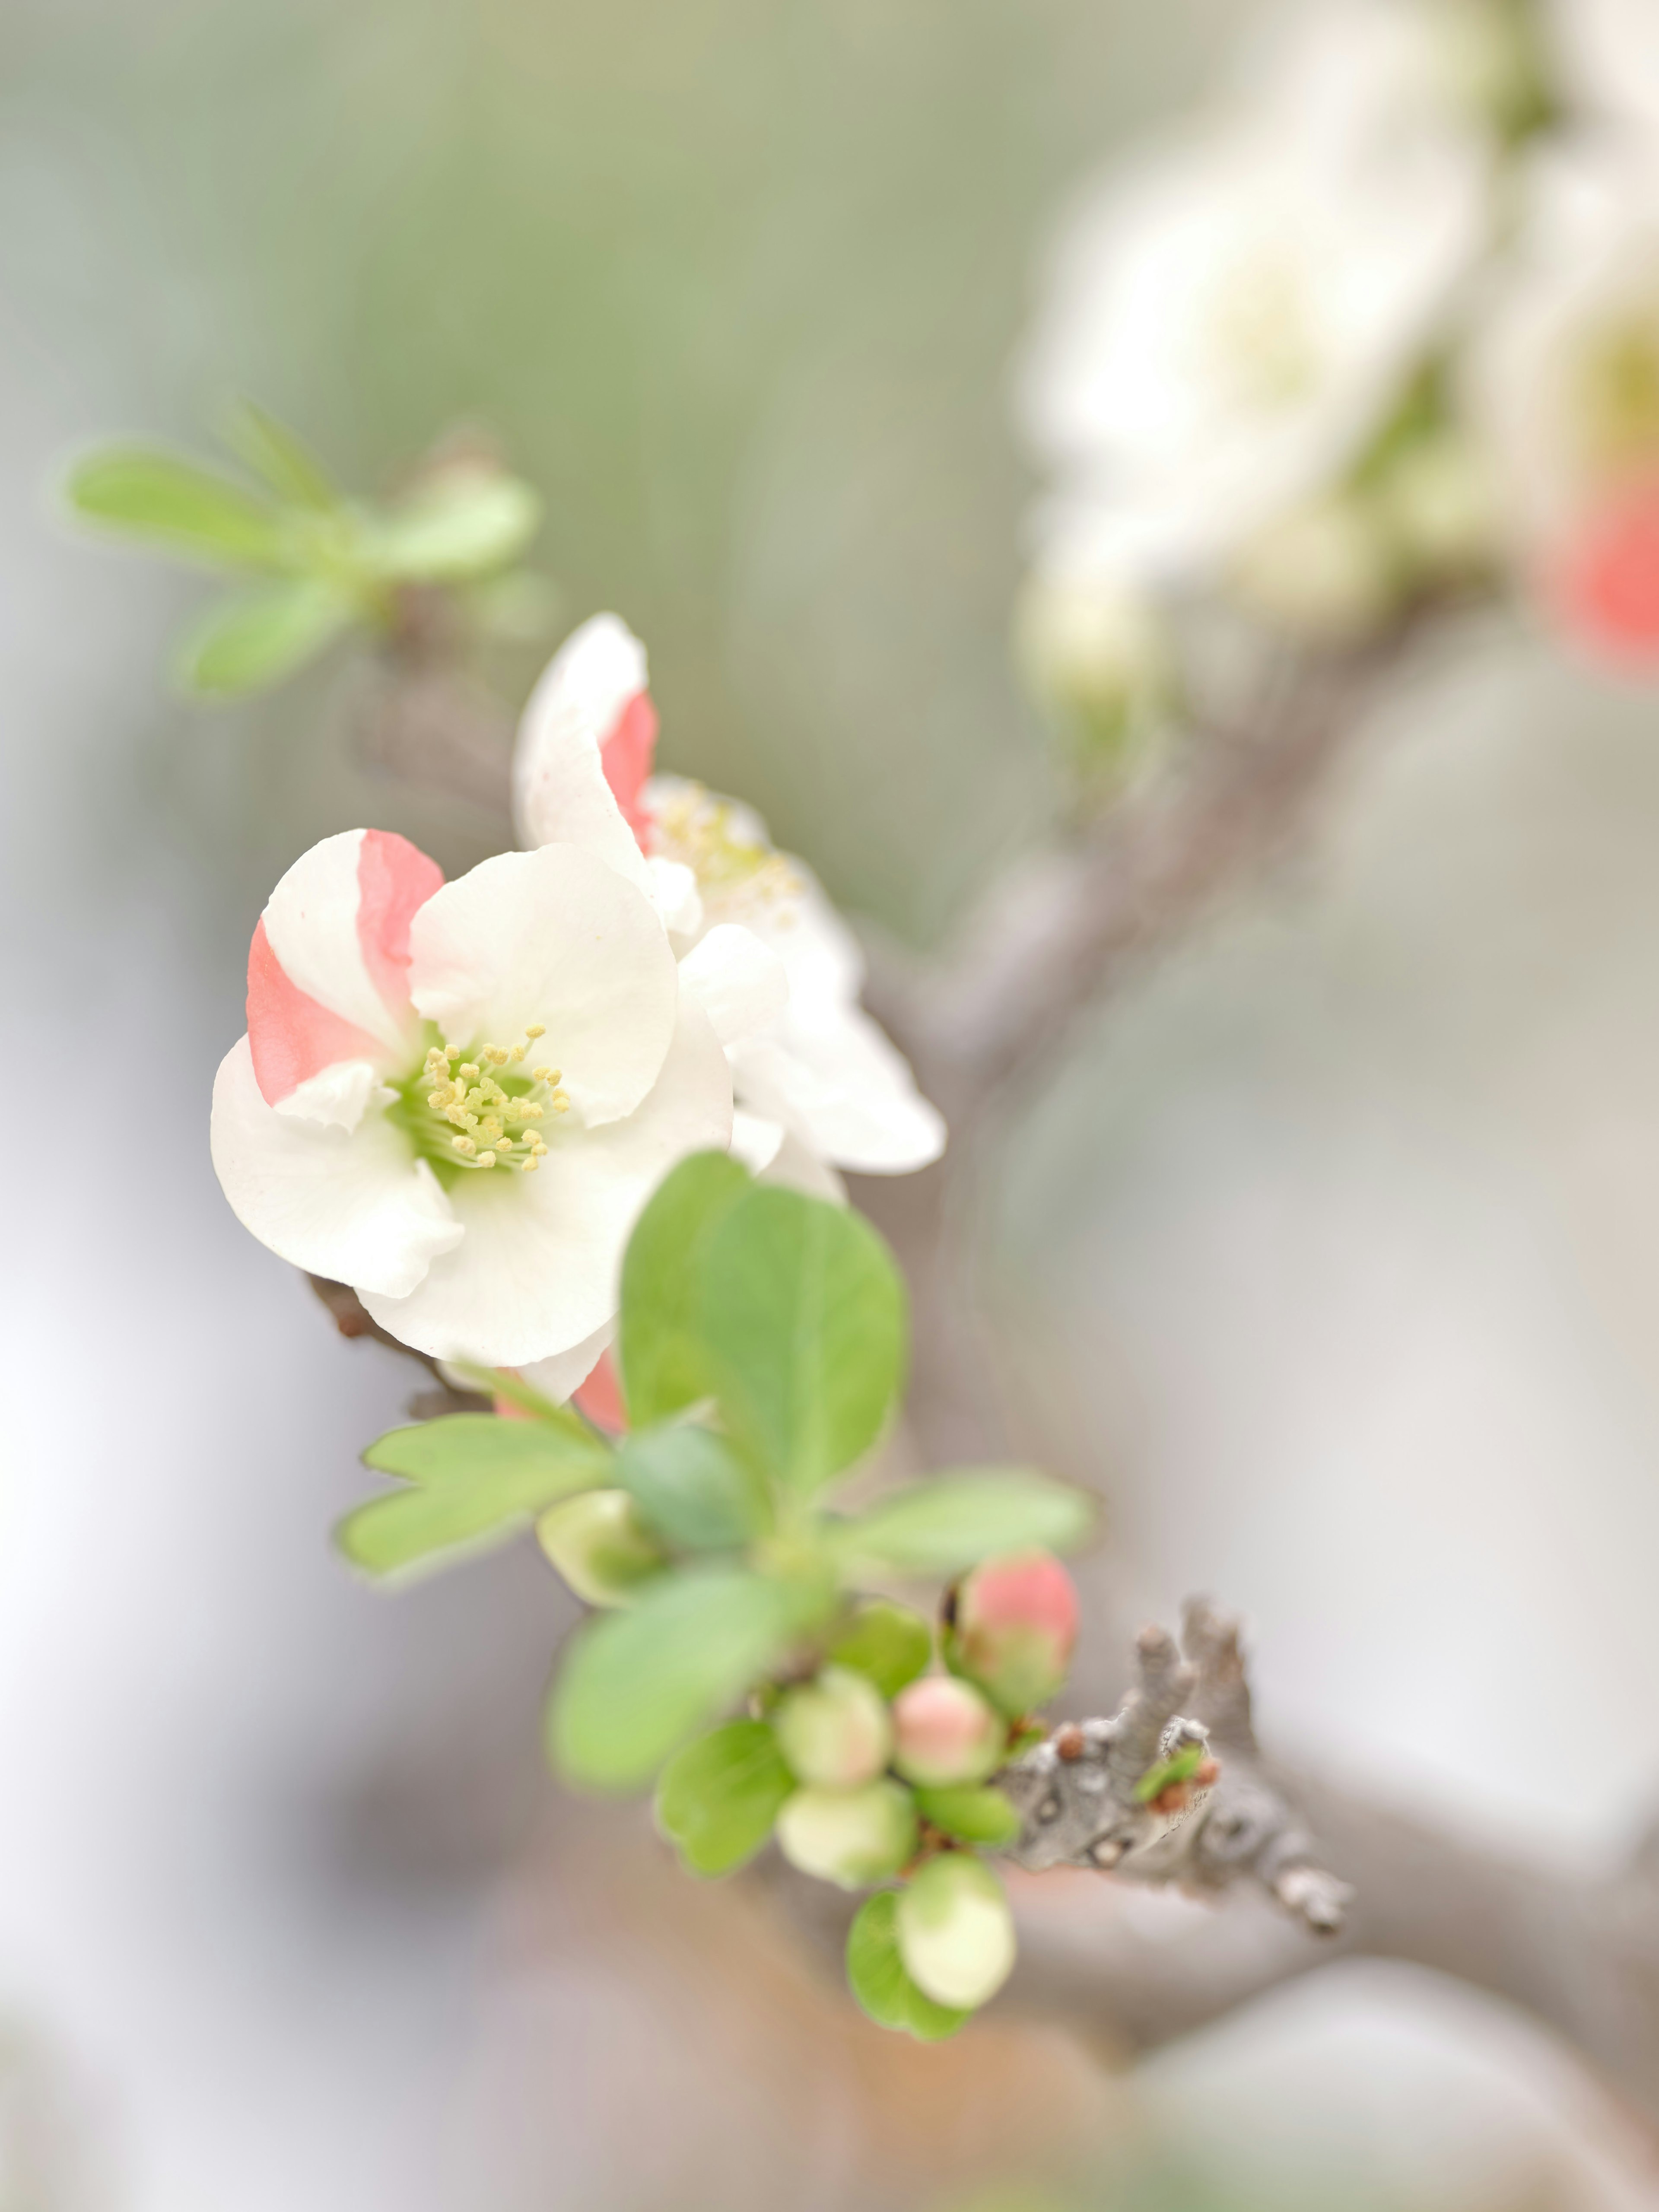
[1181,1766]
[659,1345]
[980,1815]
[804,1317]
[466,522]
[949,1522]
[477,1480]
[692,1489]
[258,637]
[719,1798]
[192,512]
[276,453]
[888,1643]
[634,1685]
[877,1977]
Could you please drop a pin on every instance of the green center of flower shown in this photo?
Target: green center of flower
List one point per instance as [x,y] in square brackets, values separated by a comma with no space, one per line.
[470,1111]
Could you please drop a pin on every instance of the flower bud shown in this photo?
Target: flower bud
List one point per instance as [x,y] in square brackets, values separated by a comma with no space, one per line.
[1015,1626]
[600,1543]
[1098,660]
[956,1933]
[851,1836]
[1324,571]
[836,1730]
[944,1733]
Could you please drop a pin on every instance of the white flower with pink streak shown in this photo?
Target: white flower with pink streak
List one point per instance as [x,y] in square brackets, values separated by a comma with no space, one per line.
[457,1097]
[818,1085]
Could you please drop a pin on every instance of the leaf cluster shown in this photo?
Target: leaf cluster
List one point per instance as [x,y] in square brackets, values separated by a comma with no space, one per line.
[311,564]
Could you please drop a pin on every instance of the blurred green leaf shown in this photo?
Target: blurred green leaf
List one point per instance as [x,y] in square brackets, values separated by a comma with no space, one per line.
[691,1488]
[502,1383]
[952,1522]
[719,1798]
[980,1815]
[477,1479]
[804,1317]
[259,637]
[634,1685]
[887,1643]
[877,1977]
[464,523]
[191,512]
[660,1346]
[278,454]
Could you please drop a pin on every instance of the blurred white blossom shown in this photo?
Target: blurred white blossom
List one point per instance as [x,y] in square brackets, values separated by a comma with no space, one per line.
[1230,319]
[1564,384]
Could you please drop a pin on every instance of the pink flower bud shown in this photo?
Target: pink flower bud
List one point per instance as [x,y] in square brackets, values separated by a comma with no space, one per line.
[850,1837]
[1607,584]
[836,1730]
[943,1732]
[1016,1623]
[956,1933]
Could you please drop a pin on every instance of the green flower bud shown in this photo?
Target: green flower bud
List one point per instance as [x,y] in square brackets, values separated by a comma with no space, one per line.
[945,1733]
[852,1837]
[834,1731]
[600,1543]
[956,1933]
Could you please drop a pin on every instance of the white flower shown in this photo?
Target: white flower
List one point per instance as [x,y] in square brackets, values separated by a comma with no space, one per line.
[1228,320]
[1607,54]
[818,1085]
[1564,385]
[458,1097]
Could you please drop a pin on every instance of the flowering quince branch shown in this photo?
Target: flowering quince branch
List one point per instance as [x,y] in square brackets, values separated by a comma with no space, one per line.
[1271,399]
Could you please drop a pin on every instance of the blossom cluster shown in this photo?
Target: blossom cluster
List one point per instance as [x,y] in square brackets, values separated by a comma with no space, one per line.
[457,1097]
[1381,322]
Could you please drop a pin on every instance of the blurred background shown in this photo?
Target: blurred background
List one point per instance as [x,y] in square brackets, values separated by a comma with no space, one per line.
[1336,1252]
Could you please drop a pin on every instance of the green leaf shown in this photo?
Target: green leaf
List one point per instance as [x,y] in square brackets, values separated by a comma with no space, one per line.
[260,636]
[980,1815]
[192,512]
[633,1686]
[888,1643]
[692,1489]
[464,523]
[804,1318]
[950,1522]
[659,1345]
[476,1481]
[1181,1766]
[877,1977]
[274,451]
[717,1798]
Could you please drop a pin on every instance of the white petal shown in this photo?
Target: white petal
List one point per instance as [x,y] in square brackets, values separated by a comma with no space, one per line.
[556,937]
[539,1268]
[797,1167]
[741,983]
[337,1095]
[311,922]
[674,894]
[561,1377]
[824,959]
[842,1088]
[560,793]
[356,1206]
[755,1142]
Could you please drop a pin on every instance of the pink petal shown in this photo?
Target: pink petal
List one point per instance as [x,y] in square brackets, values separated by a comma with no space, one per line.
[600,1397]
[395,880]
[626,757]
[293,1038]
[1607,588]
